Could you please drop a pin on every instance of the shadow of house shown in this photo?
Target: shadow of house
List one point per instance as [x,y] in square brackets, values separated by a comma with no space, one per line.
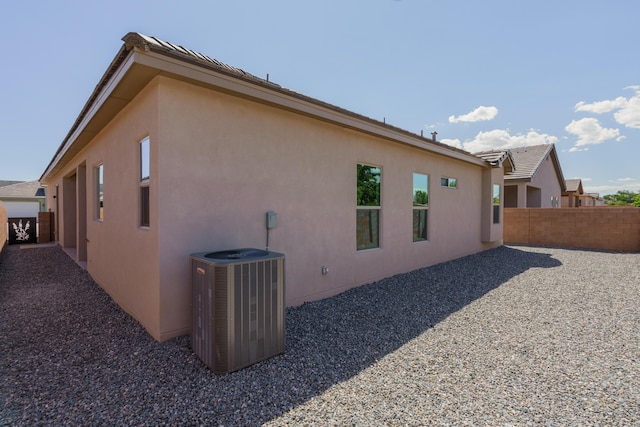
[327,342]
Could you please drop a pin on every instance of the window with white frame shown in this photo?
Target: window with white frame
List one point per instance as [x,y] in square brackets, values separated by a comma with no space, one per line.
[144,182]
[420,207]
[368,206]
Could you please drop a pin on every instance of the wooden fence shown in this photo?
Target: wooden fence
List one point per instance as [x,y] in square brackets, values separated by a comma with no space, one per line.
[604,228]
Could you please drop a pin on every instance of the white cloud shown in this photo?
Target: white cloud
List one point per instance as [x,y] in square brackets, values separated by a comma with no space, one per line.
[625,179]
[612,188]
[452,142]
[589,132]
[628,110]
[629,114]
[501,138]
[602,106]
[479,114]
[584,179]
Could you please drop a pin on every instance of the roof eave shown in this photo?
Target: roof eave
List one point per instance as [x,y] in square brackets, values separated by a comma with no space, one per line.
[138,51]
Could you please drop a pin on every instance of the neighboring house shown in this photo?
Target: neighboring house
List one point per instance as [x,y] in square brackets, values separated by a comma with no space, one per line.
[591,199]
[571,197]
[537,181]
[23,199]
[176,153]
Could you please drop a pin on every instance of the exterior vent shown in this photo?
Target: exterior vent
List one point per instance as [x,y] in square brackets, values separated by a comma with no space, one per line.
[237,307]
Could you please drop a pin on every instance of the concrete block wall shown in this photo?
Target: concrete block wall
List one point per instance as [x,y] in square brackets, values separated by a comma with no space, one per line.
[605,228]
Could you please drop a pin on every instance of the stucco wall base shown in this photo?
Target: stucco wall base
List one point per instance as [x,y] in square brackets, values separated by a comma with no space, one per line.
[336,291]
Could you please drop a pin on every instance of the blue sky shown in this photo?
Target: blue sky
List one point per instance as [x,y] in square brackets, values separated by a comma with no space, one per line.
[484,75]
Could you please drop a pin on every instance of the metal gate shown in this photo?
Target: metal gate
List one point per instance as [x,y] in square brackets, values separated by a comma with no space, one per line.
[22,230]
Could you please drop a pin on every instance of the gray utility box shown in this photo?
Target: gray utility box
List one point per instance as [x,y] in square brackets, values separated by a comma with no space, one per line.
[237,307]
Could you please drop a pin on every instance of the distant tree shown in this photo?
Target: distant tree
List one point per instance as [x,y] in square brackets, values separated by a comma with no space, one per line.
[623,198]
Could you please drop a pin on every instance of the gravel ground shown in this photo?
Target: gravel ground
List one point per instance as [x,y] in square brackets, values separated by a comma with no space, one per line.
[515,336]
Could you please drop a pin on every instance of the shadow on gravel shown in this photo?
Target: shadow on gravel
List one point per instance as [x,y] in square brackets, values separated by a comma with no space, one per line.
[71,356]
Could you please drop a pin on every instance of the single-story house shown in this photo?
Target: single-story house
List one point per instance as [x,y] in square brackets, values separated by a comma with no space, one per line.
[23,198]
[590,199]
[572,193]
[176,153]
[537,181]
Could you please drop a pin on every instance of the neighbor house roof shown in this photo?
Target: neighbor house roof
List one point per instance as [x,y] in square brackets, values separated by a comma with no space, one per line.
[5,182]
[22,190]
[499,158]
[526,162]
[142,58]
[573,186]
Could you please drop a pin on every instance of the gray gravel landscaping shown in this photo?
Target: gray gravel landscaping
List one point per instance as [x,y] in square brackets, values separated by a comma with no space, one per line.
[514,336]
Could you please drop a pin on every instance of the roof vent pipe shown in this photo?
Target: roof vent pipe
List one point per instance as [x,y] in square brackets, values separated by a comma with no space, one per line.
[433,135]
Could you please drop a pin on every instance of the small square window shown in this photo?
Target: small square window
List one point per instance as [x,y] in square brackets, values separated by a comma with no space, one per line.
[449,182]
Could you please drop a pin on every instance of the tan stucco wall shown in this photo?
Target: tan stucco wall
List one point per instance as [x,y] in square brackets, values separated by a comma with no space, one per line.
[121,256]
[218,164]
[545,180]
[228,161]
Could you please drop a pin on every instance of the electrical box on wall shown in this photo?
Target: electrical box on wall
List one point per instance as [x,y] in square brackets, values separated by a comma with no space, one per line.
[272,220]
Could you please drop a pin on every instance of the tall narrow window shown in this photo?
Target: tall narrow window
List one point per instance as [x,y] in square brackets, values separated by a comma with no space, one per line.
[144,182]
[496,203]
[368,207]
[99,180]
[420,207]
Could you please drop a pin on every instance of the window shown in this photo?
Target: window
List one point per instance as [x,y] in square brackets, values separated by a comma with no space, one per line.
[144,182]
[449,182]
[496,203]
[99,200]
[420,206]
[368,210]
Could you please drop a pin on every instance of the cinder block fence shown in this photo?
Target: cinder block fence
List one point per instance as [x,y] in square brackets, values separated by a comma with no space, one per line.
[605,228]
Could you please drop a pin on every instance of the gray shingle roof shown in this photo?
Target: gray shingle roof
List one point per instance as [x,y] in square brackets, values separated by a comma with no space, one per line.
[22,190]
[574,185]
[527,161]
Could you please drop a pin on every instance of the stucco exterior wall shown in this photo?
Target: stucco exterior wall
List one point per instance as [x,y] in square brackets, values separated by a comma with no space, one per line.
[218,163]
[546,179]
[537,193]
[122,257]
[225,163]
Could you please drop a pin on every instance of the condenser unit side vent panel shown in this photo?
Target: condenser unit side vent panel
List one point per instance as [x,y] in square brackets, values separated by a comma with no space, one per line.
[244,322]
